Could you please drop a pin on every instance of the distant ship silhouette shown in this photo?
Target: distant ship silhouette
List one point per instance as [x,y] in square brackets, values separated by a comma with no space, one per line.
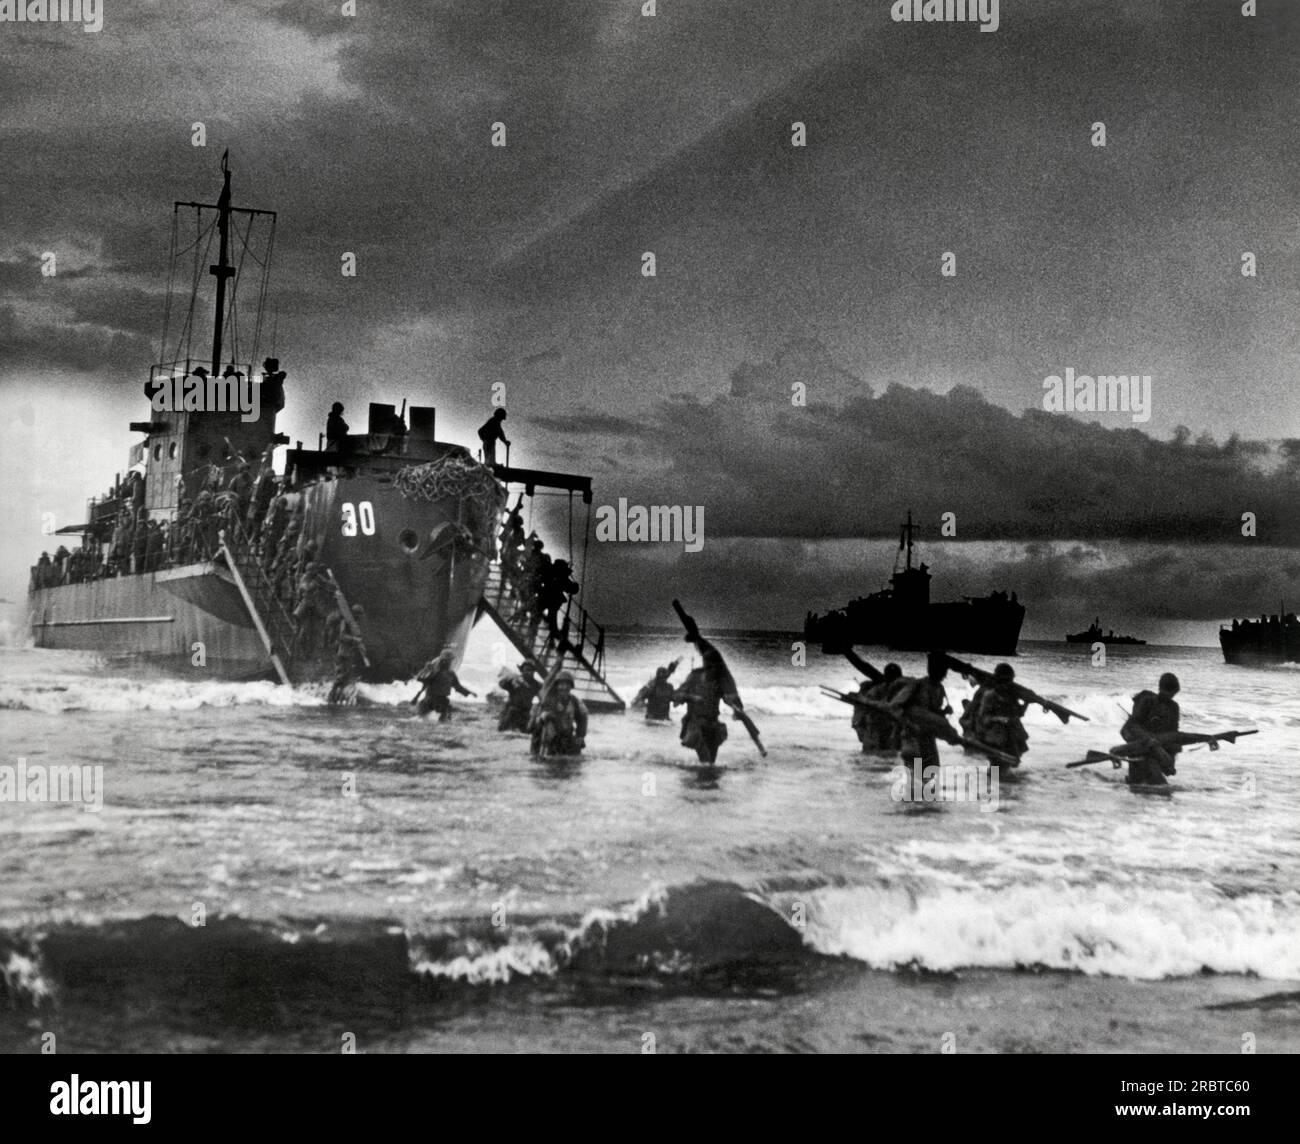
[1094,635]
[1270,639]
[902,617]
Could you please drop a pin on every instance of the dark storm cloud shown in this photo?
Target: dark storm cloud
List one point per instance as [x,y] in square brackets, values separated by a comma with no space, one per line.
[850,466]
[584,423]
[46,346]
[370,134]
[775,264]
[551,353]
[23,273]
[773,583]
[800,362]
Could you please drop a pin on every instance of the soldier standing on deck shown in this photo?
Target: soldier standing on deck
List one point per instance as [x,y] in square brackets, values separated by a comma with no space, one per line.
[490,432]
[336,430]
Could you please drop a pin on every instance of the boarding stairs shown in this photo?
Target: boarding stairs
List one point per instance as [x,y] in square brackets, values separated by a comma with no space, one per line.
[505,604]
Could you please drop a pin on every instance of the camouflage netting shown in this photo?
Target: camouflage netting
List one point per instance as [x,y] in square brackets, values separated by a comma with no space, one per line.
[458,477]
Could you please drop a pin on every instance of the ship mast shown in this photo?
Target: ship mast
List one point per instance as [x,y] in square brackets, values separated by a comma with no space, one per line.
[222,270]
[905,540]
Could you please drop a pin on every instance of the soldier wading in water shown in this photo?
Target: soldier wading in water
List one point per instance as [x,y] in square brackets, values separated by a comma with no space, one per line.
[1153,714]
[559,724]
[994,714]
[438,679]
[657,695]
[702,690]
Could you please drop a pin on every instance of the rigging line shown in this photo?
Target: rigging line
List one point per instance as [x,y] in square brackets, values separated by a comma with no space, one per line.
[194,292]
[234,291]
[185,334]
[233,309]
[586,544]
[197,238]
[171,276]
[248,234]
[261,295]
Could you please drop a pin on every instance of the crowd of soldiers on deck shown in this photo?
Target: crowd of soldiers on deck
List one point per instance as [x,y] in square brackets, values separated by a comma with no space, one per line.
[125,538]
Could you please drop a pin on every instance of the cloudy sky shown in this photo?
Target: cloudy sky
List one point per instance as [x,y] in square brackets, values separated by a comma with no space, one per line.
[776,265]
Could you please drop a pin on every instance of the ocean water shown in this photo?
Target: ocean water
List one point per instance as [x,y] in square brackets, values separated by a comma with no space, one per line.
[415,886]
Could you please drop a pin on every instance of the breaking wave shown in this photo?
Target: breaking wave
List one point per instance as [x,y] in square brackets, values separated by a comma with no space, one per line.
[704,930]
[1100,931]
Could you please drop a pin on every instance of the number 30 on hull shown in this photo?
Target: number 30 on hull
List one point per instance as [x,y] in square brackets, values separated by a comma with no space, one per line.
[360,516]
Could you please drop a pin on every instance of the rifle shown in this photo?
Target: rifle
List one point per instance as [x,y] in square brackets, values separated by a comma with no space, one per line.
[979,675]
[692,628]
[548,729]
[563,647]
[740,715]
[930,721]
[724,680]
[348,617]
[872,673]
[1126,752]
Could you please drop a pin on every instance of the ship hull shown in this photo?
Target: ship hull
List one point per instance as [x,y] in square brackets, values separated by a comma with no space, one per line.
[1116,641]
[418,592]
[985,627]
[416,597]
[1282,645]
[137,617]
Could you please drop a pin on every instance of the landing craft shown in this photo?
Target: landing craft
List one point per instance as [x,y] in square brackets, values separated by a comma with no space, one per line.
[902,617]
[1270,639]
[388,535]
